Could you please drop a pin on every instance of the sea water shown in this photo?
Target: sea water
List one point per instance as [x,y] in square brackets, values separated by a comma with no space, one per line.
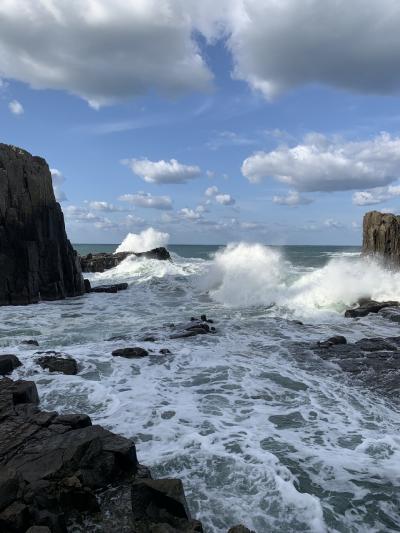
[258,434]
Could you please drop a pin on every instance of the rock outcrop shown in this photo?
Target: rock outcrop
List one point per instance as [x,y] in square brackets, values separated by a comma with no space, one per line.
[37,261]
[62,473]
[381,236]
[103,261]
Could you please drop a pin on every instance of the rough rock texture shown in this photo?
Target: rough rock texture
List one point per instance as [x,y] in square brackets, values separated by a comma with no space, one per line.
[103,261]
[367,307]
[63,473]
[37,261]
[375,361]
[7,363]
[55,363]
[381,235]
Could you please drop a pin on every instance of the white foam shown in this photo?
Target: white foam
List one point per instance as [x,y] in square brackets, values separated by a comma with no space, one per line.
[252,274]
[142,242]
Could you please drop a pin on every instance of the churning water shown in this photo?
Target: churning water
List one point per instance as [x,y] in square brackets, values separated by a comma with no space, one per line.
[258,434]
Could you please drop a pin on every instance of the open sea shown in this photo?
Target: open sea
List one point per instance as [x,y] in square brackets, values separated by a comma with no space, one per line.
[258,435]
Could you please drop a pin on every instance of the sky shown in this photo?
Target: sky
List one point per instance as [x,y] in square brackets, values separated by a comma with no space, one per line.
[275,121]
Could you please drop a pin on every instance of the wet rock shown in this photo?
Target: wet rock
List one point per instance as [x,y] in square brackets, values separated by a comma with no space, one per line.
[87,284]
[64,365]
[130,353]
[30,342]
[8,363]
[337,339]
[375,345]
[391,313]
[163,502]
[192,328]
[104,261]
[369,306]
[73,421]
[37,261]
[165,351]
[240,529]
[110,288]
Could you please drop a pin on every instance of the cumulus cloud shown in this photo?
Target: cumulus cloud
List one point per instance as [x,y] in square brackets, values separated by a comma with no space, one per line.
[163,172]
[324,164]
[105,51]
[103,206]
[351,45]
[190,214]
[376,196]
[291,199]
[58,179]
[225,199]
[145,199]
[16,107]
[100,50]
[211,191]
[332,223]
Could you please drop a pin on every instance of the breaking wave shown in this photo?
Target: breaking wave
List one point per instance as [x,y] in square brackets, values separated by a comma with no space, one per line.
[142,242]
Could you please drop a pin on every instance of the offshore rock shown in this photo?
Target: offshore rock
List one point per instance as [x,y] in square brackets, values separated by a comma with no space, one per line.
[8,363]
[381,236]
[104,261]
[367,307]
[37,261]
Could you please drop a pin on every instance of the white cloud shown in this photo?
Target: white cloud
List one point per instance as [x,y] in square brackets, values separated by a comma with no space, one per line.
[58,179]
[16,107]
[332,223]
[277,45]
[162,172]
[103,206]
[211,191]
[292,199]
[100,50]
[324,164]
[190,214]
[376,196]
[225,199]
[143,199]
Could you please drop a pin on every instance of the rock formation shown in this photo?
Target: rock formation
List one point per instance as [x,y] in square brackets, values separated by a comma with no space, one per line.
[381,235]
[103,261]
[37,261]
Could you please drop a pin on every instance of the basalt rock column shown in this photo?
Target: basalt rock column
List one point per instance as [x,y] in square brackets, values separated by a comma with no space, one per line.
[381,235]
[37,261]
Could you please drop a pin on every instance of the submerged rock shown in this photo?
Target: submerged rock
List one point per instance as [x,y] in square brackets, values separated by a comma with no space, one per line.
[54,363]
[130,353]
[37,261]
[337,339]
[110,288]
[104,261]
[8,363]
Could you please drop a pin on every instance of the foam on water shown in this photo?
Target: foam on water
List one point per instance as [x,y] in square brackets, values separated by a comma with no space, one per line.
[258,434]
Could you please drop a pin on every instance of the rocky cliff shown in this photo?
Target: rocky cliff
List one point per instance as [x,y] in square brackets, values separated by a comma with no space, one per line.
[37,261]
[381,235]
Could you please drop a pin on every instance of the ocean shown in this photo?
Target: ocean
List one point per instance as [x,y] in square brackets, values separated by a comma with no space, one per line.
[258,435]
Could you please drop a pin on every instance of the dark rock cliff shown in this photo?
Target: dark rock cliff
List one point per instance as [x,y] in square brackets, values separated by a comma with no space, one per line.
[104,261]
[37,261]
[381,235]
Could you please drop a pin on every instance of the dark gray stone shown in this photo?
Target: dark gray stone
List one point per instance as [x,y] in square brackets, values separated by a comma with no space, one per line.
[37,261]
[104,261]
[369,306]
[64,365]
[130,353]
[240,529]
[110,288]
[8,363]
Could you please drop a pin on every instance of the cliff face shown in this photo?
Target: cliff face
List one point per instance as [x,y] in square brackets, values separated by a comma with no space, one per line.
[381,235]
[37,261]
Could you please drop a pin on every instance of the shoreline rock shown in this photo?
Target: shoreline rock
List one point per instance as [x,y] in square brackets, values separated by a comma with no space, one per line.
[37,261]
[381,236]
[104,261]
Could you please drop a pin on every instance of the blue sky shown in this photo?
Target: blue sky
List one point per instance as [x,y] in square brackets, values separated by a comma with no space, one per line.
[288,119]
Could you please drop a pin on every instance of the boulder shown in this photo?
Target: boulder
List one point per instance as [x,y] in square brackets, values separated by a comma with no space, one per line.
[37,261]
[369,306]
[53,363]
[130,353]
[104,261]
[240,529]
[337,339]
[110,288]
[8,363]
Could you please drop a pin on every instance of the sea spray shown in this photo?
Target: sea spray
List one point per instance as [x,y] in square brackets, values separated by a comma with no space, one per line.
[253,275]
[144,241]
